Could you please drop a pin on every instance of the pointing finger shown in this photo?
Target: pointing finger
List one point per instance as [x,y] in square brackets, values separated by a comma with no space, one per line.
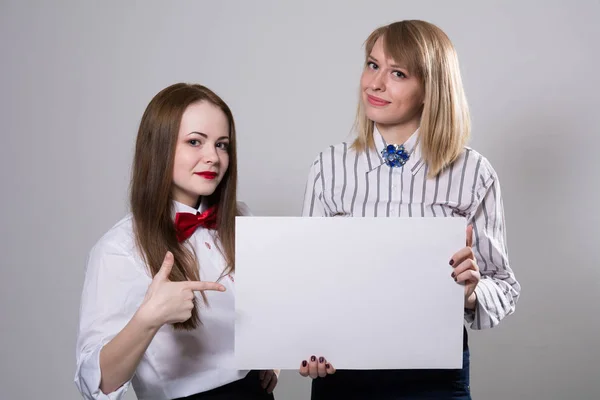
[199,286]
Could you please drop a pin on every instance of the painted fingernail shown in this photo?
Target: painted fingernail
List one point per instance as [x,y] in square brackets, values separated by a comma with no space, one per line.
[313,358]
[452,275]
[451,262]
[455,279]
[321,359]
[304,363]
[327,365]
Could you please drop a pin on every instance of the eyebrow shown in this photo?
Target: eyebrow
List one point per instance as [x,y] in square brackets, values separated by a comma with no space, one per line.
[391,65]
[204,135]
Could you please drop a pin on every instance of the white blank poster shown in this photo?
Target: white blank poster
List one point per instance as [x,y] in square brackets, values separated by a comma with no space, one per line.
[365,293]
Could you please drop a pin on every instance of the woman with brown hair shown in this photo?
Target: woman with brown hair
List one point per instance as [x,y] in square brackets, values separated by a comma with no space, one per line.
[152,313]
[409,159]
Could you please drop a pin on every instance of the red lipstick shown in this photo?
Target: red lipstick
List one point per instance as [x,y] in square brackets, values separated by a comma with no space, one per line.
[207,175]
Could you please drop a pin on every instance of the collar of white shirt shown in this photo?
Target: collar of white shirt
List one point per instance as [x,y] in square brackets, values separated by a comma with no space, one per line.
[412,147]
[184,208]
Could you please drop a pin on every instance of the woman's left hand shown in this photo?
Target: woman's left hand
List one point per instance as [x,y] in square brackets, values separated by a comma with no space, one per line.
[466,270]
[269,379]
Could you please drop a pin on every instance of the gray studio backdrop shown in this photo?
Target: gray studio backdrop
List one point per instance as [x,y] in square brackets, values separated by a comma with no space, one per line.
[77,75]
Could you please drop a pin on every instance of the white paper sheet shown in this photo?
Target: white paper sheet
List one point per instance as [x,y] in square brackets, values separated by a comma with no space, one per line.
[365,293]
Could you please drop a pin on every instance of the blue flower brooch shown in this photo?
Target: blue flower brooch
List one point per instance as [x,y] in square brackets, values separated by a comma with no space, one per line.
[395,155]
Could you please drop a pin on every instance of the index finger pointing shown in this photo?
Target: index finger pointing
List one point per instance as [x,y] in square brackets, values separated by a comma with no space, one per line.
[201,286]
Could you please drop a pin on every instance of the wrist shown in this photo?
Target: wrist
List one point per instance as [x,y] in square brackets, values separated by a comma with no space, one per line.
[146,320]
[471,301]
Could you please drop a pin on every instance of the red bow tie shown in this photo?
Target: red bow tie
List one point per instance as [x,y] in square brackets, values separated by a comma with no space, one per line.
[187,223]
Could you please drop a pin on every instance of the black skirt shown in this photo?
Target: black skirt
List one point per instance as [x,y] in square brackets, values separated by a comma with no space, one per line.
[247,388]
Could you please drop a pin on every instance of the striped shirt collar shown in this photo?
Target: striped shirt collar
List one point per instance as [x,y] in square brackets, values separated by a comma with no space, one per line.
[412,146]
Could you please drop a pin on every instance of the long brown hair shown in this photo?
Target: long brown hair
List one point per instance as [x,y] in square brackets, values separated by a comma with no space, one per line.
[429,54]
[151,198]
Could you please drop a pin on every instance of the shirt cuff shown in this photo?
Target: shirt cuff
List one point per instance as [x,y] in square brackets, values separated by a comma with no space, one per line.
[485,314]
[88,377]
[469,315]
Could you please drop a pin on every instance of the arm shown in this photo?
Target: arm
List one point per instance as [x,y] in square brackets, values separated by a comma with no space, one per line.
[120,357]
[121,312]
[498,290]
[113,290]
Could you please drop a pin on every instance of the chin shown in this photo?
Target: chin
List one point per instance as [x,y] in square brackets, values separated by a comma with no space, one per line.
[379,118]
[205,190]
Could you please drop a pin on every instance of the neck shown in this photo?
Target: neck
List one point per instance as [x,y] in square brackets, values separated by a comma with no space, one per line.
[397,134]
[186,198]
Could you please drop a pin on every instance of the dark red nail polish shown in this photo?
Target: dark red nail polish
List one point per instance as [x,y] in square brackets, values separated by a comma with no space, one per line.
[327,365]
[304,363]
[321,359]
[313,358]
[451,262]
[452,275]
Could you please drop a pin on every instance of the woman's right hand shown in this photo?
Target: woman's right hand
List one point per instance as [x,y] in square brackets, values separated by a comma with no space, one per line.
[316,368]
[169,302]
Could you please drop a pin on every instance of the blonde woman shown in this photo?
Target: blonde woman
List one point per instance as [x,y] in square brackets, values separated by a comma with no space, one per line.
[409,159]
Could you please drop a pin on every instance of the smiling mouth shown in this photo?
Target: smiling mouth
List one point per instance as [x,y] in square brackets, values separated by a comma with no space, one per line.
[376,101]
[207,175]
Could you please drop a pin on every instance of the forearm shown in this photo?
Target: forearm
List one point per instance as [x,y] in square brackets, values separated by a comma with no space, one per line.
[120,357]
[498,290]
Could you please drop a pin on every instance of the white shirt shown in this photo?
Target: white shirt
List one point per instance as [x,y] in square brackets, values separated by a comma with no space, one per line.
[176,363]
[344,183]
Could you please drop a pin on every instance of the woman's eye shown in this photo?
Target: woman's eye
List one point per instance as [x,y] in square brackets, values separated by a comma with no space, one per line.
[194,142]
[399,74]
[372,65]
[223,146]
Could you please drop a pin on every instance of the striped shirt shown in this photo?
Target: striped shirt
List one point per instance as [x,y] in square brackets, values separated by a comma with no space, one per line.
[342,182]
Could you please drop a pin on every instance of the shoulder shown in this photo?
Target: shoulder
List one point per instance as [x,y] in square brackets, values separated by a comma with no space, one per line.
[119,240]
[333,154]
[115,276]
[485,171]
[116,256]
[243,209]
[475,171]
